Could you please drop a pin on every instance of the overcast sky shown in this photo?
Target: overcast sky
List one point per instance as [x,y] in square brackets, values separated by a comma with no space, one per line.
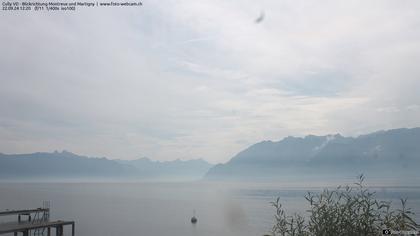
[199,79]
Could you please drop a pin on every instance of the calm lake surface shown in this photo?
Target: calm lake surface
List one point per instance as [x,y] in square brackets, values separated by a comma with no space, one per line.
[158,209]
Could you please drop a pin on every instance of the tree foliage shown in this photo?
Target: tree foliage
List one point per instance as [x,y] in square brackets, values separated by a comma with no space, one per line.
[349,210]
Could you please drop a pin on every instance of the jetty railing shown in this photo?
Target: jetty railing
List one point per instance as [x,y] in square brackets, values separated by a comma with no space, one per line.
[34,222]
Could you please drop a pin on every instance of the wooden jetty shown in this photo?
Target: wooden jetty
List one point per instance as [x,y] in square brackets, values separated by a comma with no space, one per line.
[37,222]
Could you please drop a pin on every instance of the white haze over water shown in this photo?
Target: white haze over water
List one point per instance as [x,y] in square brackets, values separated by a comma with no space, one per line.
[199,79]
[108,209]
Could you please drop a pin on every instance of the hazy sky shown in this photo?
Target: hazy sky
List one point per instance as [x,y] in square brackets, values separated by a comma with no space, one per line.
[199,79]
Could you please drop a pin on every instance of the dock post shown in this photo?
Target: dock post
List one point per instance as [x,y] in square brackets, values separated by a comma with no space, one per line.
[15,233]
[25,233]
[59,230]
[72,229]
[49,231]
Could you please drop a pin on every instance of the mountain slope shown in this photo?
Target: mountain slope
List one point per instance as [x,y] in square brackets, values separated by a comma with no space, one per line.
[59,164]
[177,169]
[66,165]
[396,151]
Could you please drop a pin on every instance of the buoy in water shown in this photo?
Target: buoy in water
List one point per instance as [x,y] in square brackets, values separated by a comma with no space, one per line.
[194,219]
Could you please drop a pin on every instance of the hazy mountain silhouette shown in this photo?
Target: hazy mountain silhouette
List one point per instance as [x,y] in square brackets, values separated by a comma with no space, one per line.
[177,169]
[66,165]
[384,153]
[393,153]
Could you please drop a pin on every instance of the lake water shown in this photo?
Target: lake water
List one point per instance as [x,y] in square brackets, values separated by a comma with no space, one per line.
[158,209]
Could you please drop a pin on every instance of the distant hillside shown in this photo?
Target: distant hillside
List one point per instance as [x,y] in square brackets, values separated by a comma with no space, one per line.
[59,164]
[66,165]
[381,154]
[178,169]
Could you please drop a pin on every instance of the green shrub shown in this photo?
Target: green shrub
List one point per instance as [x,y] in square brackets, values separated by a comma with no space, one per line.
[344,211]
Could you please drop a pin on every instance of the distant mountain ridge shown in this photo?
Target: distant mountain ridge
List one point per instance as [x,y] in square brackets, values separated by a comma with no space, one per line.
[67,165]
[395,151]
[177,169]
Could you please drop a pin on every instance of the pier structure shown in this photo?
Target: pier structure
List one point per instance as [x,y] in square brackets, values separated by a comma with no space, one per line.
[33,222]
